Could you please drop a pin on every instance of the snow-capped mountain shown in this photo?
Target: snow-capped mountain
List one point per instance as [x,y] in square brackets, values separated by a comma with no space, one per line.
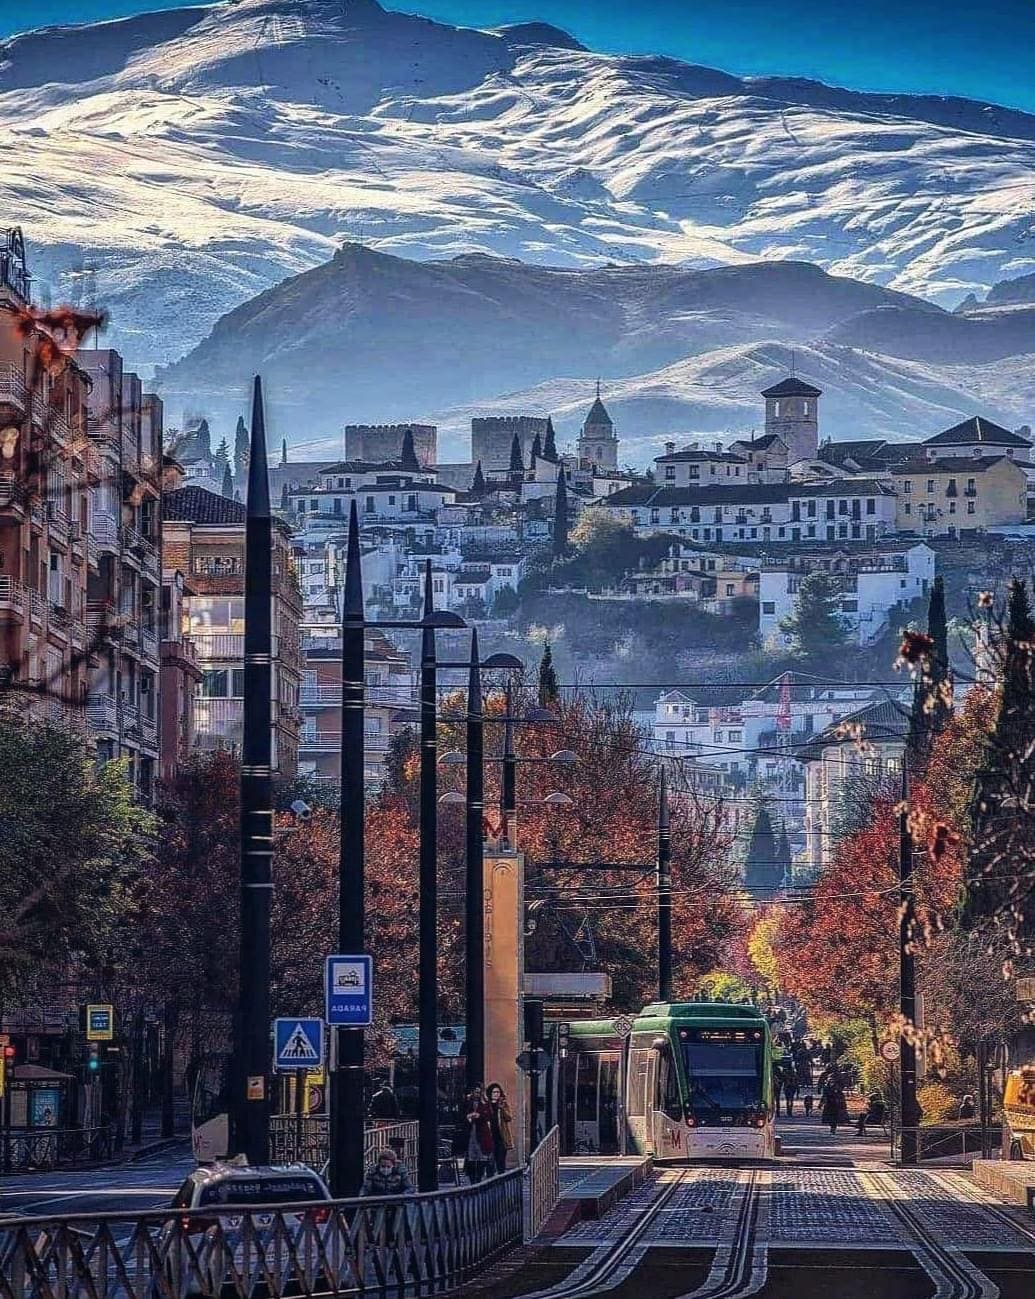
[197,156]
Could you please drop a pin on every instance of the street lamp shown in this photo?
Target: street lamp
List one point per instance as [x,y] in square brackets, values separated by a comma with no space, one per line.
[249,1110]
[431,620]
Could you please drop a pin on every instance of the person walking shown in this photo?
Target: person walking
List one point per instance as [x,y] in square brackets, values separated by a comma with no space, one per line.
[777,1083]
[383,1104]
[808,1099]
[472,1141]
[500,1121]
[833,1104]
[790,1089]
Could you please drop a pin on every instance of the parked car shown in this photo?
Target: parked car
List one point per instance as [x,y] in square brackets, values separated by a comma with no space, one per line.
[244,1232]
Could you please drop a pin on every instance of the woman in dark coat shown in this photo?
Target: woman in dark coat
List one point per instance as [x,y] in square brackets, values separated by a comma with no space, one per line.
[472,1141]
[833,1107]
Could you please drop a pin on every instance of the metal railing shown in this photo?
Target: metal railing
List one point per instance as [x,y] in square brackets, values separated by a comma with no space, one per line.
[947,1141]
[417,1245]
[543,1183]
[31,1150]
[13,595]
[12,385]
[308,1139]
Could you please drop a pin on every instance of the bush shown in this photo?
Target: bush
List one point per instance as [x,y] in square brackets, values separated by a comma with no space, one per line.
[938,1103]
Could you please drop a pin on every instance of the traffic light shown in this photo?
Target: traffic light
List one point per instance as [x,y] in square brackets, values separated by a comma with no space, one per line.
[93,1057]
[534,1024]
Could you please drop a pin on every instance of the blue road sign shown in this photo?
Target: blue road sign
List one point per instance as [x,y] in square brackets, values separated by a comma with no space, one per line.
[350,993]
[297,1043]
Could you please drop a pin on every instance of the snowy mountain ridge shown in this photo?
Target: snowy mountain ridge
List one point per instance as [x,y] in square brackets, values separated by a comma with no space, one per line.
[194,157]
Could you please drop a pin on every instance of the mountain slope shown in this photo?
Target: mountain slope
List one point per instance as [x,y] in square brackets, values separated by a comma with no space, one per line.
[198,156]
[369,336]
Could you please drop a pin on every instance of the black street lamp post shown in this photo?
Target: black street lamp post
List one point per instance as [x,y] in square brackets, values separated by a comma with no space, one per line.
[250,1108]
[427,1016]
[347,1102]
[907,980]
[664,894]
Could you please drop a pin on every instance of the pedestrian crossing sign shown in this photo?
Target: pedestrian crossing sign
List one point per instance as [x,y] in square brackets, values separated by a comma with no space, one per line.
[297,1043]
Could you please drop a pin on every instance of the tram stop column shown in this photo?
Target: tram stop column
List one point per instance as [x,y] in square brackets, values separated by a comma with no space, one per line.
[504,879]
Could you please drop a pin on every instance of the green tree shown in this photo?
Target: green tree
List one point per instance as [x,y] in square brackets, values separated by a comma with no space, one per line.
[816,627]
[72,842]
[548,691]
[506,603]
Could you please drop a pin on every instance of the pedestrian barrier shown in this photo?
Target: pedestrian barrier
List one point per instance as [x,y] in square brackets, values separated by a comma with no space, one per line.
[543,1182]
[307,1139]
[414,1245]
[947,1141]
[36,1149]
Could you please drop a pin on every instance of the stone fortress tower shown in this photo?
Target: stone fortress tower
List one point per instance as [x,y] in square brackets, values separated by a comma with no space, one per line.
[378,443]
[792,413]
[492,437]
[598,442]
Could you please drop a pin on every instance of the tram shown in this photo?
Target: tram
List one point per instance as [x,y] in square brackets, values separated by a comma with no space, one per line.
[692,1080]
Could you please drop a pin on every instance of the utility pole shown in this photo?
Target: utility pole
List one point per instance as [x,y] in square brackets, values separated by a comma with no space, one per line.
[664,894]
[508,782]
[427,1027]
[475,890]
[907,979]
[347,1100]
[250,1108]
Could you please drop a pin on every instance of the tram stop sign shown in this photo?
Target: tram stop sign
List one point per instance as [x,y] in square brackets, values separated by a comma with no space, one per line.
[889,1051]
[622,1025]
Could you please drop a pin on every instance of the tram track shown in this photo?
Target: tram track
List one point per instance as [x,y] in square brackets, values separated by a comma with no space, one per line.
[739,1267]
[953,1274]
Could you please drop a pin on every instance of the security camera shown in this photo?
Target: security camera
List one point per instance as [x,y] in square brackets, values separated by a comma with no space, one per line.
[300,810]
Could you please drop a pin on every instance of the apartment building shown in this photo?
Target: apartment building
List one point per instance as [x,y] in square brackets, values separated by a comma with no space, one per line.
[124,427]
[203,538]
[870,581]
[942,496]
[390,696]
[49,476]
[181,675]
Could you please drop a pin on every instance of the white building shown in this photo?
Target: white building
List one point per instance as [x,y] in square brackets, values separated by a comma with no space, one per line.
[870,583]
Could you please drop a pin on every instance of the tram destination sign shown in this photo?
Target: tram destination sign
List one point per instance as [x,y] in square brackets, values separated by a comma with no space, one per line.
[721,1034]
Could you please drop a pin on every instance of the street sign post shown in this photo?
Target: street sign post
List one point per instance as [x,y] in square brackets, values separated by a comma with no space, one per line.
[348,984]
[297,1043]
[100,1023]
[889,1051]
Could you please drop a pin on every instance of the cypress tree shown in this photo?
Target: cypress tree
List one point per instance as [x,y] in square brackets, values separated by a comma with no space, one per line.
[560,516]
[763,874]
[537,451]
[517,465]
[285,499]
[408,458]
[228,483]
[478,482]
[548,691]
[283,451]
[999,869]
[241,450]
[931,707]
[550,444]
[221,459]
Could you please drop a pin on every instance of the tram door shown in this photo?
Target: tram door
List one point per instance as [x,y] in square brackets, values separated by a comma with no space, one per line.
[595,1127]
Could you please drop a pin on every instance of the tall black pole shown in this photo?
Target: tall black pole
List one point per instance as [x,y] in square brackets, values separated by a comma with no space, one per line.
[907,978]
[250,1110]
[427,1017]
[664,894]
[508,784]
[347,1100]
[475,926]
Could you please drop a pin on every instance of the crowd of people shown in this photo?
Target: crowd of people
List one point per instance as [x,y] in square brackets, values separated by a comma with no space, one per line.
[811,1071]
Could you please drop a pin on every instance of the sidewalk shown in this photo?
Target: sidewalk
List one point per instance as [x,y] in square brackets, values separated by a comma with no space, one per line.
[810,1141]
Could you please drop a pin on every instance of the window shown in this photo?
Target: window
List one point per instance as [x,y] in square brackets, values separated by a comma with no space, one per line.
[850,606]
[670,471]
[907,486]
[730,588]
[907,508]
[971,507]
[314,505]
[736,737]
[215,683]
[871,505]
[370,505]
[637,1081]
[769,606]
[952,507]
[695,471]
[930,484]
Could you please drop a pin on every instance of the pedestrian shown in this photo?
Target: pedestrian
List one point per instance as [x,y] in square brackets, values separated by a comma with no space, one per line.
[387,1175]
[501,1120]
[833,1104]
[383,1104]
[776,1089]
[967,1108]
[808,1099]
[875,1112]
[790,1090]
[472,1140]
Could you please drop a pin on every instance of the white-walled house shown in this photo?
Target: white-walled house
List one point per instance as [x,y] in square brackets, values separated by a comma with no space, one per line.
[870,583]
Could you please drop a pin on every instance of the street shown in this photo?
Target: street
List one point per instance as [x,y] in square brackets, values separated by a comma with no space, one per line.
[148,1183]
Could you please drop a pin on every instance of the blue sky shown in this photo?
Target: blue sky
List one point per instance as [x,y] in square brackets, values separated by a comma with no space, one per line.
[984,50]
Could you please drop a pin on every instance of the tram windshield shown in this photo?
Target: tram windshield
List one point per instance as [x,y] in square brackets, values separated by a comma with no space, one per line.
[723,1068]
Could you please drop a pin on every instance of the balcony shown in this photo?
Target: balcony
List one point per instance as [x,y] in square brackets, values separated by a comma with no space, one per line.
[104,528]
[12,387]
[102,714]
[314,696]
[103,429]
[970,491]
[330,741]
[149,644]
[218,645]
[36,605]
[14,598]
[101,617]
[138,546]
[149,731]
[12,497]
[58,520]
[221,719]
[130,715]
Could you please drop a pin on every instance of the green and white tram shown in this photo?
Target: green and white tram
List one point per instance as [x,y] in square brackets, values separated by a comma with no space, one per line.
[693,1080]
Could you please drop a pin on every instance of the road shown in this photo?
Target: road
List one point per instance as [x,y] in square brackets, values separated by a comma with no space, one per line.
[148,1183]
